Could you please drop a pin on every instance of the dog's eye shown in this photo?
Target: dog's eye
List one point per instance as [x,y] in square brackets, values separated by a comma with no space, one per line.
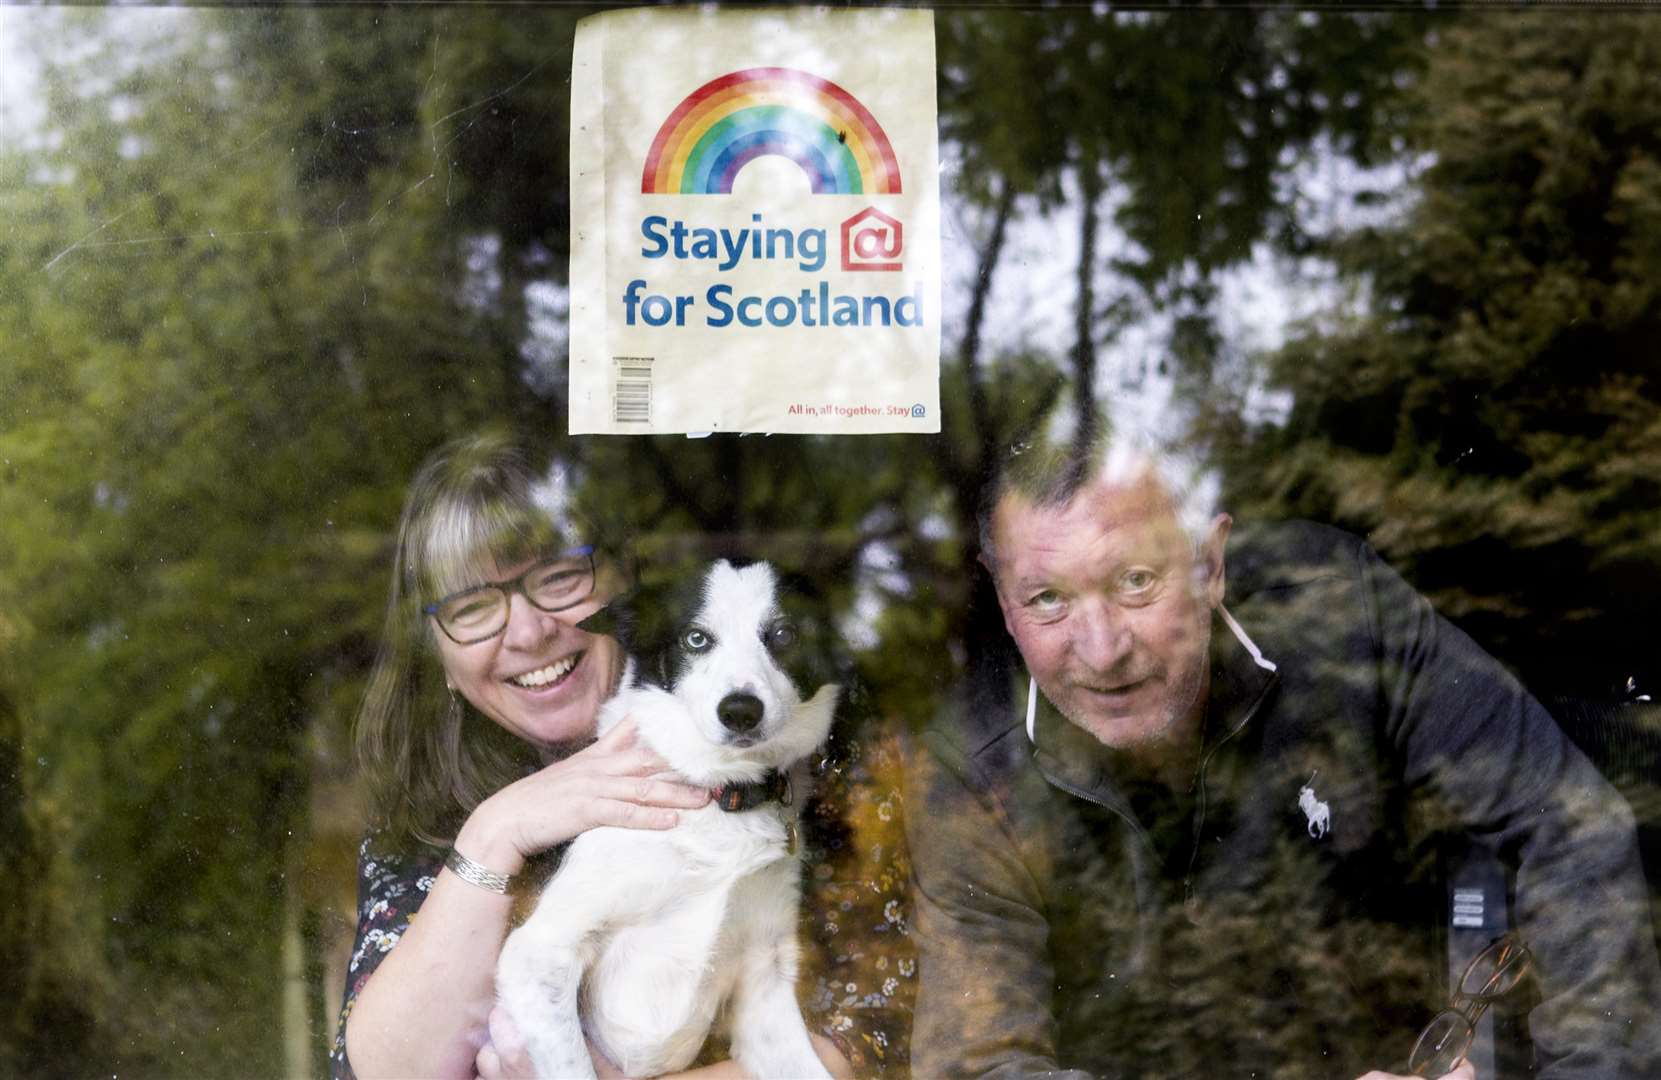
[696,640]
[781,636]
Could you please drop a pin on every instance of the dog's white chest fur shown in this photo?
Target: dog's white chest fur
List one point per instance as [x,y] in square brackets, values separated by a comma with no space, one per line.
[644,940]
[647,935]
[674,911]
[652,996]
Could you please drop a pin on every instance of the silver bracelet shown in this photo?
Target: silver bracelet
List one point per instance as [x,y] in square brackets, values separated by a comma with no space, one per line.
[475,874]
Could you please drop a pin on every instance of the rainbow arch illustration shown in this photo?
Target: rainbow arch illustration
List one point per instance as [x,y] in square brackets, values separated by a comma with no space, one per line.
[729,122]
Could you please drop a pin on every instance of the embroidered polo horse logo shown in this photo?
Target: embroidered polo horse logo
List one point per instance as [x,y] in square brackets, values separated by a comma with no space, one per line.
[1318,814]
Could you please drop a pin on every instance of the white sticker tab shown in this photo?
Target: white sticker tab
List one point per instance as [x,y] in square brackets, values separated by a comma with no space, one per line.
[755,222]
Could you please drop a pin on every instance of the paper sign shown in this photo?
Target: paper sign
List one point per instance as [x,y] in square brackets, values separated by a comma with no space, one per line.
[755,222]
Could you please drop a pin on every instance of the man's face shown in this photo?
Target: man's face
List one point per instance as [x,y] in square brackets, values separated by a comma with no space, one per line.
[1111,608]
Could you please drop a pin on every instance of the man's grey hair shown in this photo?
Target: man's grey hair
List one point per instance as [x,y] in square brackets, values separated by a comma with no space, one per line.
[1048,473]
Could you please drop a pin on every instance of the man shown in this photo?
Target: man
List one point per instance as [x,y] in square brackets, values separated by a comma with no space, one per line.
[1208,844]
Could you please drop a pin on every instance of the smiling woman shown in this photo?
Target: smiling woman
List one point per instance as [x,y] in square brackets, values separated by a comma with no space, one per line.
[537,676]
[477,742]
[471,738]
[475,510]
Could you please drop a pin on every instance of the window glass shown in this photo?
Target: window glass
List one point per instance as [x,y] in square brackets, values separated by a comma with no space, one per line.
[1392,271]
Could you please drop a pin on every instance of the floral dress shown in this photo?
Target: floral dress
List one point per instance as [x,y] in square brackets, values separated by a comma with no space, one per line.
[390,890]
[859,966]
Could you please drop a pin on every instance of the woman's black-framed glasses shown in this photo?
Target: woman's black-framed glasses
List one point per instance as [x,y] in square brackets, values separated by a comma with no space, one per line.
[1493,973]
[475,614]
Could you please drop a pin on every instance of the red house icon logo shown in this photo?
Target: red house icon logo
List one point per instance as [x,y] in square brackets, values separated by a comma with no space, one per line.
[871,240]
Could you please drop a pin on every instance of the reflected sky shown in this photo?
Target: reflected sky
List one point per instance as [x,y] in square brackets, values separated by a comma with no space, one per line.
[1031,303]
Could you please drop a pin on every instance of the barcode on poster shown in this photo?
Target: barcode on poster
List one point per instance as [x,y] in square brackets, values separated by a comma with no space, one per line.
[631,392]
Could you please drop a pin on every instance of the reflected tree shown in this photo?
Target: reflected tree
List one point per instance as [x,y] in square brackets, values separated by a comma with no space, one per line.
[1490,416]
[257,270]
[212,400]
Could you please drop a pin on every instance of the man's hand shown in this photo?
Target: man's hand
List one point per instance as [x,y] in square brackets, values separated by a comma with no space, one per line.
[1465,1071]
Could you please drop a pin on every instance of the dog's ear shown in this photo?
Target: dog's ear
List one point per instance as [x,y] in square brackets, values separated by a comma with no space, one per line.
[793,583]
[818,655]
[647,620]
[651,619]
[612,620]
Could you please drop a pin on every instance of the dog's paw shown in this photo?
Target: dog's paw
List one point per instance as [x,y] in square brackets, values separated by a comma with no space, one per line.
[789,1068]
[558,1063]
[548,1048]
[536,987]
[779,1053]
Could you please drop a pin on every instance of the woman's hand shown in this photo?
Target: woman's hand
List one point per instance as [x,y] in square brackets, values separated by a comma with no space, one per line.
[503,1056]
[614,781]
[1465,1071]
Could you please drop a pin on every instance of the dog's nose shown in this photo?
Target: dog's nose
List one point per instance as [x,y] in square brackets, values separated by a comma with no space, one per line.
[740,712]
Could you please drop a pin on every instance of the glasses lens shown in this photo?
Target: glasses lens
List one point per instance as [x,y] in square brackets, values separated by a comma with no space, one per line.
[1442,1045]
[1496,970]
[560,584]
[474,615]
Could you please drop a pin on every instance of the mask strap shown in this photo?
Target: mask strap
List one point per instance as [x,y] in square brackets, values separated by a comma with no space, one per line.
[1257,654]
[1032,710]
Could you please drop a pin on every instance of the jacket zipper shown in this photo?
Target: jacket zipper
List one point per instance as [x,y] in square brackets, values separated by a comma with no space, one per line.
[1078,792]
[1199,818]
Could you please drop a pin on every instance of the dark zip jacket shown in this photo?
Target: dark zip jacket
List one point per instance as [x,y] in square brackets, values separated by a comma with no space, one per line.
[1253,929]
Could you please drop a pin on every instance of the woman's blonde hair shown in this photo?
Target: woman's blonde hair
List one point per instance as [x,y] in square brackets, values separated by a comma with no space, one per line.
[427,757]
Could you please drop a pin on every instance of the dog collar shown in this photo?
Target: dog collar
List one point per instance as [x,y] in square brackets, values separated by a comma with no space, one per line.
[774,787]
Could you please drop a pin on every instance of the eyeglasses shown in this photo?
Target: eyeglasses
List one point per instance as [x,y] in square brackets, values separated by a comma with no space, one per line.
[1446,1040]
[481,612]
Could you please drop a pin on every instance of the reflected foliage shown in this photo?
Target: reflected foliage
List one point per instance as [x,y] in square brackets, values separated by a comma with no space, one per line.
[259,263]
[1492,420]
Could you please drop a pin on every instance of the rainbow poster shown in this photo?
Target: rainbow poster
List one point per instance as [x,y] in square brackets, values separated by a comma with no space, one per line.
[735,118]
[755,222]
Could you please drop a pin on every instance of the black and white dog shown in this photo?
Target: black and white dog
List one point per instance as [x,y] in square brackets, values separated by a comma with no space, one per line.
[643,940]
